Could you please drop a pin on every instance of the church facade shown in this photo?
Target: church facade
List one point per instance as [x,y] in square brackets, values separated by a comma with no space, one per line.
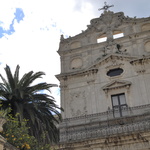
[105,85]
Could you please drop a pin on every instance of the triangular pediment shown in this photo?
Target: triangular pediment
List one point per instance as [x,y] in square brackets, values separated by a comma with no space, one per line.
[113,58]
[92,69]
[116,84]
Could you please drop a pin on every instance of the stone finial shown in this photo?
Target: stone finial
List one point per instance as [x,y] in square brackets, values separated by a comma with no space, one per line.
[62,37]
[105,7]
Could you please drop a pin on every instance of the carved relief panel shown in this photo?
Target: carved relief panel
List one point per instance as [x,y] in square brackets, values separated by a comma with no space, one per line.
[77,103]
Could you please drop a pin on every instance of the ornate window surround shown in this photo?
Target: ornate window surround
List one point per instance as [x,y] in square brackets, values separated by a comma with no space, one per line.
[116,84]
[116,87]
[115,72]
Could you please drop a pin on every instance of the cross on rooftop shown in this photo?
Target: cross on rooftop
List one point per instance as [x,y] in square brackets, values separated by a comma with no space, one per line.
[106,7]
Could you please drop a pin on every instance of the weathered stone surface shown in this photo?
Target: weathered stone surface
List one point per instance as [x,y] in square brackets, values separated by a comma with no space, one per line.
[92,120]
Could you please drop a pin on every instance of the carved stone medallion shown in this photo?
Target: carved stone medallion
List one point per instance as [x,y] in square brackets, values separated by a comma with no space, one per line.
[76,63]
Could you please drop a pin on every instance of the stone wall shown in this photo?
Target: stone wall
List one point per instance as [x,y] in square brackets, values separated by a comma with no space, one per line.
[105,85]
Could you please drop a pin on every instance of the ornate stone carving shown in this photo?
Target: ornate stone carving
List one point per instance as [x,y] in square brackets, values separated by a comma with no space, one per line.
[107,22]
[140,64]
[76,63]
[114,59]
[116,84]
[120,49]
[114,48]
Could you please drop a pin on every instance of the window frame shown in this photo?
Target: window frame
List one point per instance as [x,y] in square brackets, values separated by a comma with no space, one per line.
[114,72]
[119,106]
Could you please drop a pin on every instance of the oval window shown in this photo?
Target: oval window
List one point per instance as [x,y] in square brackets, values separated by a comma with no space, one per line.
[115,72]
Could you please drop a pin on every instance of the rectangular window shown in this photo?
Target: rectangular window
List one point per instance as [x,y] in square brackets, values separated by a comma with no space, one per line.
[118,104]
[119,35]
[100,40]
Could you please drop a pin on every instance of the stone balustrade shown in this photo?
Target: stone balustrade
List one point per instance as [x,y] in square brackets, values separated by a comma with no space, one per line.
[134,119]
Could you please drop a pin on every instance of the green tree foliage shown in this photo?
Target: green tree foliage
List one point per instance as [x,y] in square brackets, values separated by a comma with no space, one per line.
[17,133]
[31,102]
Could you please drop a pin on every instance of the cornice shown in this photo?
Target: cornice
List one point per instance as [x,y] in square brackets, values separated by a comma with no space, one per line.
[65,76]
[93,69]
[141,60]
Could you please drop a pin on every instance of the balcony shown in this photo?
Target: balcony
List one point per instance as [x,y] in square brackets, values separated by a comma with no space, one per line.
[106,124]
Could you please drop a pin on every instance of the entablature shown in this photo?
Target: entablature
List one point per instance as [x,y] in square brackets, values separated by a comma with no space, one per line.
[78,73]
[141,60]
[93,69]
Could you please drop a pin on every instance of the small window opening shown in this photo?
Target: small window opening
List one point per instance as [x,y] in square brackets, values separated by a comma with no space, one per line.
[101,39]
[115,72]
[118,34]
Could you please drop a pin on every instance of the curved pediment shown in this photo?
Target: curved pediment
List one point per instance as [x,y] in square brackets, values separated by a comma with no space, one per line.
[116,84]
[108,18]
[111,21]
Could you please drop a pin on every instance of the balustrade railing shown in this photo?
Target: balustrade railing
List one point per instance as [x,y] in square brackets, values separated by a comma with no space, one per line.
[105,124]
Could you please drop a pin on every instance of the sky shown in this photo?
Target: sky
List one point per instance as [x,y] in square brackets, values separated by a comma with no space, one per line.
[30,30]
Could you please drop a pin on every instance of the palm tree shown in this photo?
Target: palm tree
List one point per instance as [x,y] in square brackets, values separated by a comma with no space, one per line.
[32,102]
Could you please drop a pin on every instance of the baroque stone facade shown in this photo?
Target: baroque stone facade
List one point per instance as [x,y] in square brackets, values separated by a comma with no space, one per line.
[105,82]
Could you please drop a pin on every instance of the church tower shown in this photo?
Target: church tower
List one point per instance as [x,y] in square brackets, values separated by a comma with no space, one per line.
[105,85]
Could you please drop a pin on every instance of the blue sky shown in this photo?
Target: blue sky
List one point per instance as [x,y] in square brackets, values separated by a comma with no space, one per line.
[30,30]
[18,16]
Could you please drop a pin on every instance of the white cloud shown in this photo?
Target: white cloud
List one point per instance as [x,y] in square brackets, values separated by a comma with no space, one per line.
[35,42]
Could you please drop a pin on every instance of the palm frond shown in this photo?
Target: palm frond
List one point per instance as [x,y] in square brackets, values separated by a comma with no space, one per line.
[16,75]
[32,102]
[5,84]
[25,79]
[10,77]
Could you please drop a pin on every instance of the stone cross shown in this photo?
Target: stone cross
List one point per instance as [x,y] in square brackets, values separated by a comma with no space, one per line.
[106,7]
